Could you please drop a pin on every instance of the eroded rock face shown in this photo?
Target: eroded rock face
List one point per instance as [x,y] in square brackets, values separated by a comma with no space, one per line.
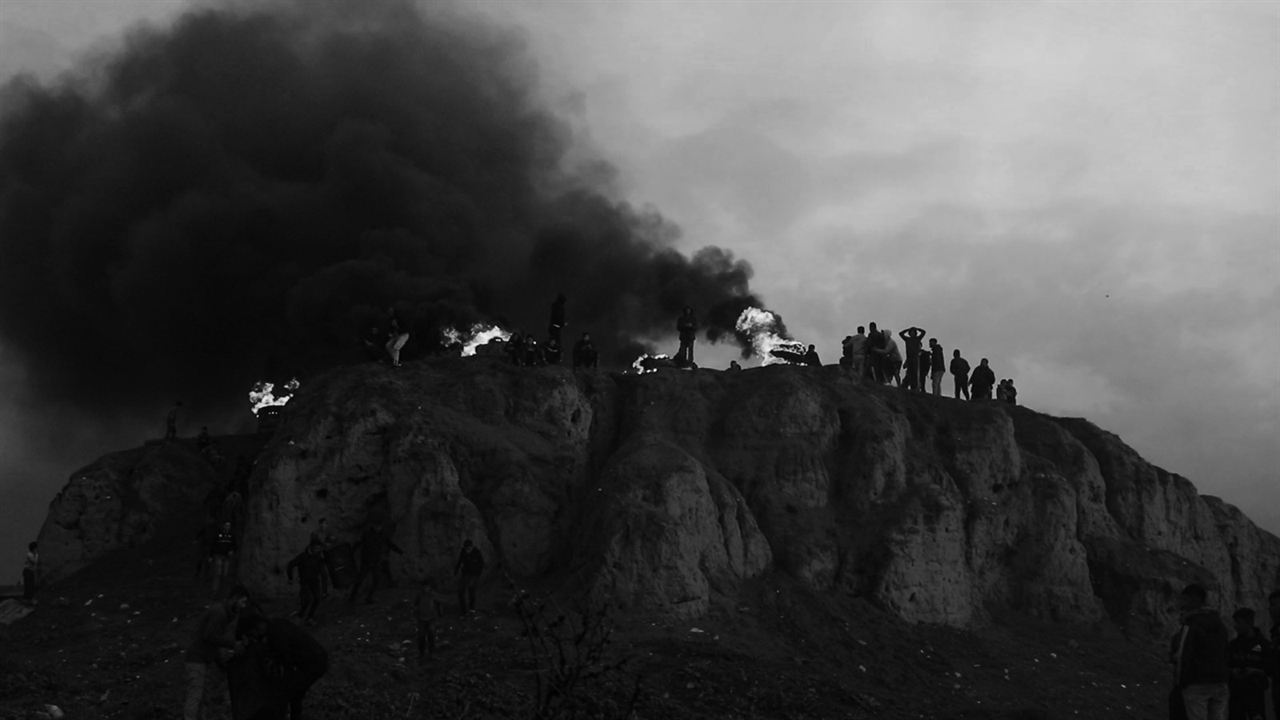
[121,501]
[657,492]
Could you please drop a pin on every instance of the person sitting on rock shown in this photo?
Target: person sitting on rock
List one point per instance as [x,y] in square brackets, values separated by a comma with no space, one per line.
[469,567]
[811,357]
[981,380]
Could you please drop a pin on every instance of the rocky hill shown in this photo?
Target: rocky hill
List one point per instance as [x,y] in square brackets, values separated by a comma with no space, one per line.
[665,491]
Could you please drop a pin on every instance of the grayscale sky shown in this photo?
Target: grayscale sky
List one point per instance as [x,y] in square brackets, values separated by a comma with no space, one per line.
[1088,194]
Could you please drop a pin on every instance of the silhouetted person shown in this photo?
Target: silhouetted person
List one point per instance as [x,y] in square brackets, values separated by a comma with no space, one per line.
[960,373]
[551,353]
[892,359]
[981,380]
[427,609]
[1249,659]
[584,352]
[212,644]
[171,422]
[30,573]
[875,353]
[469,567]
[312,580]
[687,328]
[556,324]
[733,365]
[397,336]
[374,546]
[1010,392]
[532,352]
[811,357]
[515,348]
[937,365]
[373,343]
[221,551]
[856,350]
[295,657]
[1200,656]
[1273,609]
[922,369]
[912,339]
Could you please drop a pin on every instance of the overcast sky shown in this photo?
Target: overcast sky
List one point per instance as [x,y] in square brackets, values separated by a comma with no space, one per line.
[1088,194]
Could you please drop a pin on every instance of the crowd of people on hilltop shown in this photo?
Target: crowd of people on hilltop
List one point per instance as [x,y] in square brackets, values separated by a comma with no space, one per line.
[873,354]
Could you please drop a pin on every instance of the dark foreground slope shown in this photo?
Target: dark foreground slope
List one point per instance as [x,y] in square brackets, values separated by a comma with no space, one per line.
[775,650]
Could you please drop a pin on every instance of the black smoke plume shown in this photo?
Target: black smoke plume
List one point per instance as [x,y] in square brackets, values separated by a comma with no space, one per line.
[238,195]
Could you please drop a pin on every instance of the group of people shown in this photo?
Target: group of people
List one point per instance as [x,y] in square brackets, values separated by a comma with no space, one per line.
[524,348]
[874,355]
[1217,677]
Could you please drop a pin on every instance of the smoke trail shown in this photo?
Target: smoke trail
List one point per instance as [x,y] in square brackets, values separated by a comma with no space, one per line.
[238,195]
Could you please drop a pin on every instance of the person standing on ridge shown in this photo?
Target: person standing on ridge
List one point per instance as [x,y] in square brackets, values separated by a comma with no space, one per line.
[960,373]
[811,357]
[469,567]
[556,324]
[876,347]
[171,422]
[1249,659]
[922,367]
[1200,657]
[397,336]
[858,353]
[981,380]
[687,328]
[912,337]
[937,365]
[892,360]
[584,353]
[30,573]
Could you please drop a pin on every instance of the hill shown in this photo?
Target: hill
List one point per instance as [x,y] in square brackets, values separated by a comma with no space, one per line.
[842,550]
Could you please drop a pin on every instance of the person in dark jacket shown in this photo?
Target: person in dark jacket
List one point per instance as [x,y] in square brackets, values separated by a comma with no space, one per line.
[213,643]
[584,353]
[469,567]
[960,373]
[292,658]
[313,580]
[937,365]
[687,329]
[922,369]
[811,357]
[1248,659]
[982,381]
[374,546]
[1200,657]
[875,354]
[515,348]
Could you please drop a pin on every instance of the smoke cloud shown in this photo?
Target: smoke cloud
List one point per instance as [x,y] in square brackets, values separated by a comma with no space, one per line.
[237,196]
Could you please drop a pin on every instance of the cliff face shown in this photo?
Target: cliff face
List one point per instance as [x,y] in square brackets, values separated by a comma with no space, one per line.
[659,491]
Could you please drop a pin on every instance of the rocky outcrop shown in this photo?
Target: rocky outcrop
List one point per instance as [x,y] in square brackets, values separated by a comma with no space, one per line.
[660,491]
[122,501]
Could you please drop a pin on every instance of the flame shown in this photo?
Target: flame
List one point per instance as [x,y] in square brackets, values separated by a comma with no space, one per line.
[473,337]
[639,367]
[263,394]
[762,328]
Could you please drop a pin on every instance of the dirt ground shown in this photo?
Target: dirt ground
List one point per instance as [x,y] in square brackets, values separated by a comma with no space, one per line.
[108,643]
